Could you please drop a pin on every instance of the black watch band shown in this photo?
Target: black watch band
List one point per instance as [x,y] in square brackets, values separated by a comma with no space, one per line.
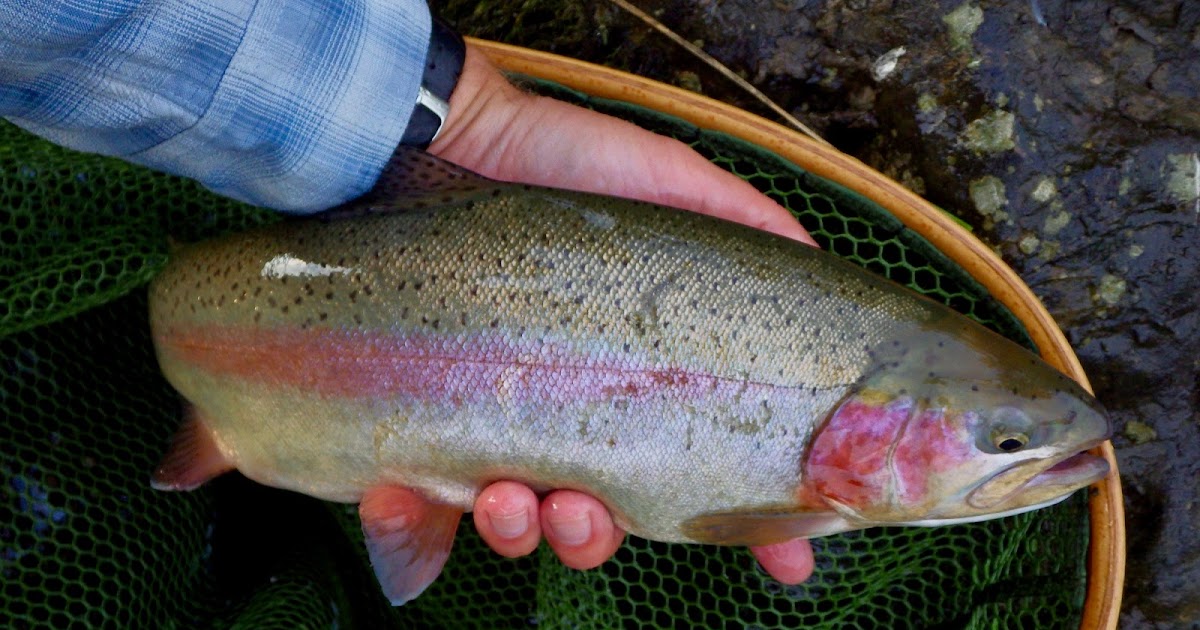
[443,65]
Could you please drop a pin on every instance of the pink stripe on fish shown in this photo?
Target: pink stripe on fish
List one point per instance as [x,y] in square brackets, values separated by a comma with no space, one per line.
[441,368]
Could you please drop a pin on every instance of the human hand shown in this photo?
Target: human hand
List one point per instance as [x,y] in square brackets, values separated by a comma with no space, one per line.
[501,132]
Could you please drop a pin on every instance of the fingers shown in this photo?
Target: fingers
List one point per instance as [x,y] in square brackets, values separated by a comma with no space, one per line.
[506,517]
[582,534]
[789,562]
[686,180]
[579,529]
[498,131]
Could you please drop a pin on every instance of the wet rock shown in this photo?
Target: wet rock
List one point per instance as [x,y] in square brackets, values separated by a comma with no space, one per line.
[1110,290]
[990,133]
[1044,191]
[987,193]
[1139,432]
[962,23]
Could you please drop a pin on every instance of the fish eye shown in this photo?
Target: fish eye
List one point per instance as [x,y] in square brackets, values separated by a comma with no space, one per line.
[1010,442]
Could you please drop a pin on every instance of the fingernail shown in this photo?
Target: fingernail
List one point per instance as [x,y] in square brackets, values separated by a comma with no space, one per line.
[571,531]
[512,525]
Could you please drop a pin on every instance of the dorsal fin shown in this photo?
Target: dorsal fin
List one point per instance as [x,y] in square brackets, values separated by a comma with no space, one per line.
[414,179]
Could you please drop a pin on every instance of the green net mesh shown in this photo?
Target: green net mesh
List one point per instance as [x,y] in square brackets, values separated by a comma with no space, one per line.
[85,415]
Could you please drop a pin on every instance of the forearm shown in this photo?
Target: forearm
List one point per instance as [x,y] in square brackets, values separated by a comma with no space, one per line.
[291,105]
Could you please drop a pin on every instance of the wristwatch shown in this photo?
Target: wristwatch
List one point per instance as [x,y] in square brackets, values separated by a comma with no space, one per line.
[443,65]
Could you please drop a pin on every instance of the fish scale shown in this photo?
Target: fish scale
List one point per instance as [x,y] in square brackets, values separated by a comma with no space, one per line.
[706,381]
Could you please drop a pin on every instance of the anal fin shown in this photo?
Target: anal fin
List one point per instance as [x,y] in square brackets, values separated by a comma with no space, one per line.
[192,458]
[408,539]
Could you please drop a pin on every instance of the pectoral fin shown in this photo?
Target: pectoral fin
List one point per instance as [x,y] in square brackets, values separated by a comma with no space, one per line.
[408,539]
[765,527]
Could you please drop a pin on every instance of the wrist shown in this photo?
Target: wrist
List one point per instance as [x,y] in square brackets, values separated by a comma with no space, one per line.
[482,108]
[444,58]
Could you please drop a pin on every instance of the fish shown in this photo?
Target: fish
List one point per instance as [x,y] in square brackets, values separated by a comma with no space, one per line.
[708,382]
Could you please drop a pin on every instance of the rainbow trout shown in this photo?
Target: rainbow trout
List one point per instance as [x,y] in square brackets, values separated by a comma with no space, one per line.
[709,383]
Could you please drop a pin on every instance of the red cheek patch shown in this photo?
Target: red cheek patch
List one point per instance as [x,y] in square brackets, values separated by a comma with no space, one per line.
[933,443]
[848,460]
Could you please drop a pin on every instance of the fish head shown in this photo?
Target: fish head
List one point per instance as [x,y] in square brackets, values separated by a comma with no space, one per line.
[955,425]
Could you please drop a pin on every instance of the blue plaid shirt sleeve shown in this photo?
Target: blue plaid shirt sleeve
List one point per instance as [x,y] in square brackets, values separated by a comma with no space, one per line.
[289,104]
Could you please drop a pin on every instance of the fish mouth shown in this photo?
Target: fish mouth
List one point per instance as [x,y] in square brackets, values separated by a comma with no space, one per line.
[1039,481]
